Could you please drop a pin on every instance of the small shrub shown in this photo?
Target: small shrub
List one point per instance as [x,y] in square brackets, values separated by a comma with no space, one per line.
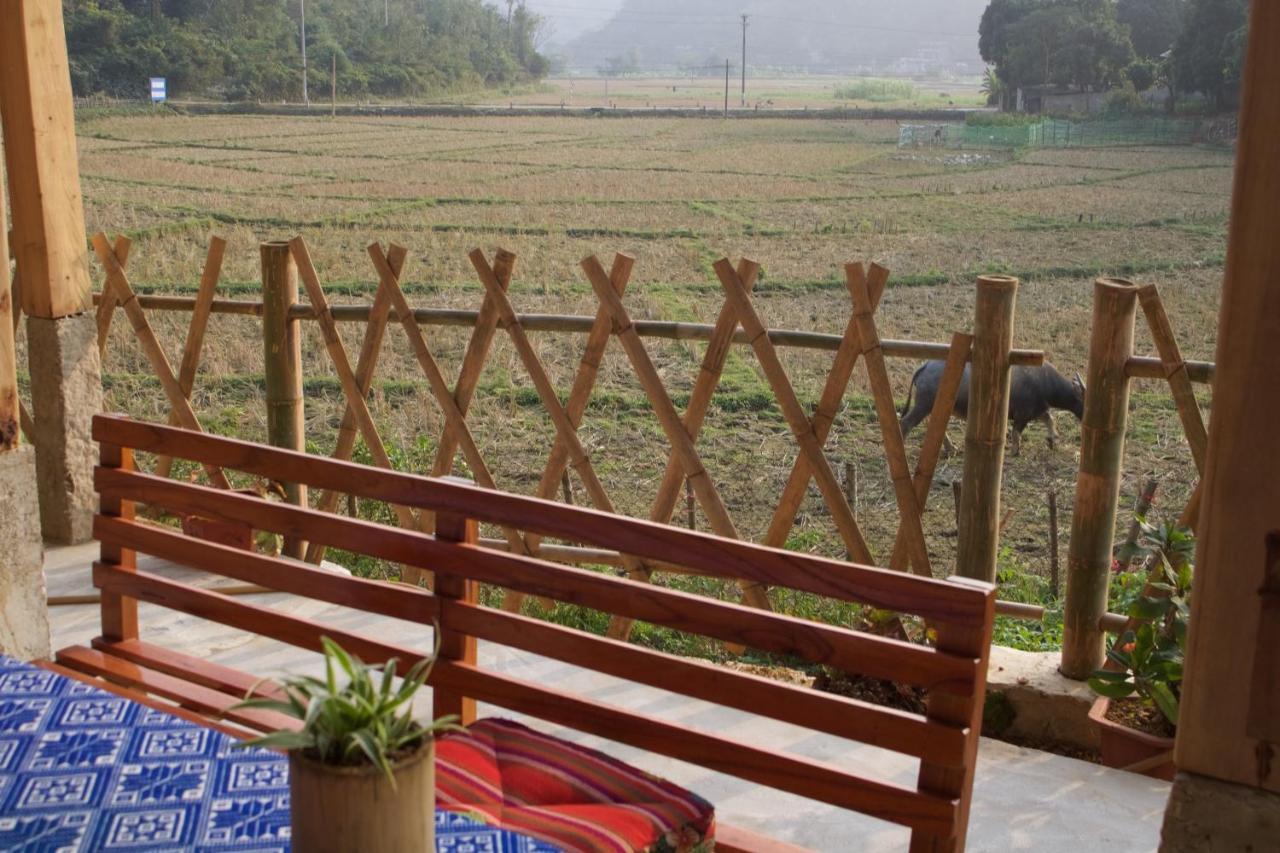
[876,91]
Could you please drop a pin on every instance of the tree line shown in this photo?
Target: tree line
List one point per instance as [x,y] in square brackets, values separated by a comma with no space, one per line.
[251,49]
[1189,46]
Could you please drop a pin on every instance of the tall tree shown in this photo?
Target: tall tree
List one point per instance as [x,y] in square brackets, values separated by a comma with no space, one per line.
[1153,25]
[1207,55]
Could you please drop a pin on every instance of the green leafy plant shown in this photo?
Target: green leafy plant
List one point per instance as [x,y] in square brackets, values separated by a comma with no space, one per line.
[366,719]
[1150,659]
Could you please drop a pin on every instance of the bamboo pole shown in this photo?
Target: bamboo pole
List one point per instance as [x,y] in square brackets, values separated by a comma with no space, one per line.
[931,449]
[566,430]
[979,533]
[1175,370]
[119,282]
[351,386]
[1054,583]
[1093,523]
[660,329]
[793,413]
[366,366]
[682,444]
[282,367]
[195,334]
[910,507]
[833,392]
[704,388]
[390,282]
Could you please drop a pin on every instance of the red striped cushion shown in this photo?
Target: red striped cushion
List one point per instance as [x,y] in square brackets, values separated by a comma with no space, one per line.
[574,797]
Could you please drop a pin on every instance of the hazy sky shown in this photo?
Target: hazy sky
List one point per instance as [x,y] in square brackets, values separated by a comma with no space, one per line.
[570,18]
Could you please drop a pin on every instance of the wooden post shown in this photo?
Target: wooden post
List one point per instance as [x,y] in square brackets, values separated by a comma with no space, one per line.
[119,614]
[1093,524]
[1233,665]
[979,528]
[282,364]
[455,591]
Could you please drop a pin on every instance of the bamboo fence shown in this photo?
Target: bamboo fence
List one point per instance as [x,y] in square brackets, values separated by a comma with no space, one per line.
[285,266]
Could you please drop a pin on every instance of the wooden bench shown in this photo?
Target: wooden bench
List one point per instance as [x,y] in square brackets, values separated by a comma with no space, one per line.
[953,672]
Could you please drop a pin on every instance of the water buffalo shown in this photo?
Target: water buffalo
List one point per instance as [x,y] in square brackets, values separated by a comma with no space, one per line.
[1033,392]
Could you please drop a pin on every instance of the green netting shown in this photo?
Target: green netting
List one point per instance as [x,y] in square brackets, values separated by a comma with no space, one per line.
[1056,133]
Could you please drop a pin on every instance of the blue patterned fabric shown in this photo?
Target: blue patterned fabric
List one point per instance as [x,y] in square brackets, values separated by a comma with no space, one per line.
[82,769]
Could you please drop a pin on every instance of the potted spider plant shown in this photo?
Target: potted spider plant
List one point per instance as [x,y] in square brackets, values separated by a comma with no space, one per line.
[361,769]
[1139,690]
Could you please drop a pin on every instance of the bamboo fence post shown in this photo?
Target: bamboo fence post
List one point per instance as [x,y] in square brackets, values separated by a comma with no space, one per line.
[793,412]
[931,449]
[282,366]
[195,334]
[989,374]
[366,366]
[1175,368]
[1106,411]
[847,355]
[1053,543]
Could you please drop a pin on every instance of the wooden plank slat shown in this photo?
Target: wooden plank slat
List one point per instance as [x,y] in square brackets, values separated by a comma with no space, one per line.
[805,777]
[848,718]
[709,554]
[931,447]
[410,604]
[214,676]
[119,615]
[142,699]
[850,350]
[185,693]
[841,647]
[910,509]
[119,282]
[195,333]
[793,413]
[366,366]
[455,644]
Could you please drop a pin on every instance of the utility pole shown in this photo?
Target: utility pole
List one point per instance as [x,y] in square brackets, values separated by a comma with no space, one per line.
[306,99]
[386,13]
[744,60]
[726,88]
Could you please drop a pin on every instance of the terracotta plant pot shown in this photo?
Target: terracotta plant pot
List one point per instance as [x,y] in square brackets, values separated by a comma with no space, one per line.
[341,809]
[1123,747]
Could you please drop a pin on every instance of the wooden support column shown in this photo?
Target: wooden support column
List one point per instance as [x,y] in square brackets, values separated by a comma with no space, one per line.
[979,516]
[51,250]
[1228,748]
[282,360]
[24,618]
[1093,524]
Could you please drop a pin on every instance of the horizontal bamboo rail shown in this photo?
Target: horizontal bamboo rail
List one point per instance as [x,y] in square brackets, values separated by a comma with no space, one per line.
[663,329]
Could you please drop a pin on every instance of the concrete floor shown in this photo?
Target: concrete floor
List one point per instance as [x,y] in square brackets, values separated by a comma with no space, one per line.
[1023,799]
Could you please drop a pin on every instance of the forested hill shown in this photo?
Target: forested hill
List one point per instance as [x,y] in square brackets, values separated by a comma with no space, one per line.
[813,35]
[249,49]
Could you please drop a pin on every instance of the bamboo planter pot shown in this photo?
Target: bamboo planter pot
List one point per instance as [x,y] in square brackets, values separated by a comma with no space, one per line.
[1123,747]
[341,809]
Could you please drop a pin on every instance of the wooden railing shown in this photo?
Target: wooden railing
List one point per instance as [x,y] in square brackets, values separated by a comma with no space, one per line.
[952,672]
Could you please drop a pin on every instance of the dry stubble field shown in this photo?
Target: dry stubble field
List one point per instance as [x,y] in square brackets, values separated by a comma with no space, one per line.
[800,197]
